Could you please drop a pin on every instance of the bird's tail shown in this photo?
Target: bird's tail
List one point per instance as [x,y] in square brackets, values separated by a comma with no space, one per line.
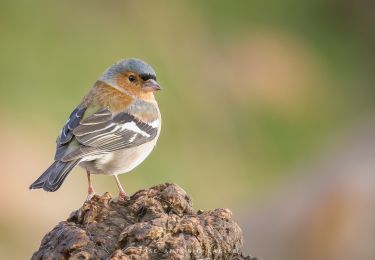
[54,176]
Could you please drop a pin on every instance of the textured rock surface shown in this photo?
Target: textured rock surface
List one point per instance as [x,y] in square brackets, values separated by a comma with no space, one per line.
[156,223]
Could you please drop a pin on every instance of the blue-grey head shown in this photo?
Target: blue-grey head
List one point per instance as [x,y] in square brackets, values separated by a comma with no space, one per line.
[131,75]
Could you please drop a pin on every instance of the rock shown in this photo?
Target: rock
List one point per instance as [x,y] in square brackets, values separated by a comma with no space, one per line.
[155,223]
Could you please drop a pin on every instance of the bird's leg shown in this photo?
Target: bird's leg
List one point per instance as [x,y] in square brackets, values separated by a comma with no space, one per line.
[90,190]
[122,194]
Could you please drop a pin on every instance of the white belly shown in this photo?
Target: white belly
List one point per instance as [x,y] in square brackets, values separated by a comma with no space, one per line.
[118,162]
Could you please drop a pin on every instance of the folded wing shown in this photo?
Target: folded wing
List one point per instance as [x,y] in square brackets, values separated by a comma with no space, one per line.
[104,132]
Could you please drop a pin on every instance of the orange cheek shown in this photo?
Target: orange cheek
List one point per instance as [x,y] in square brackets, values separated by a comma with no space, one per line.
[123,82]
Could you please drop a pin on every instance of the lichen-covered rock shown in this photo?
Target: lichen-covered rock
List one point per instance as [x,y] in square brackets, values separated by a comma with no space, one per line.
[155,223]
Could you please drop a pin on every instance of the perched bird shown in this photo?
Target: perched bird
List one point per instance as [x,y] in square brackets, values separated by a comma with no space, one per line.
[112,130]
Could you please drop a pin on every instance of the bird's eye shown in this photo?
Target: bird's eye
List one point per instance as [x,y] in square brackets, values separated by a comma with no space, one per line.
[131,78]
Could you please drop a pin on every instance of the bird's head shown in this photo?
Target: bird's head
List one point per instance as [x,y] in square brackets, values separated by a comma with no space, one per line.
[132,76]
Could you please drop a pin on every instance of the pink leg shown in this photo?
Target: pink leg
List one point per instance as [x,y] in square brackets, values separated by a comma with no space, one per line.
[122,194]
[90,190]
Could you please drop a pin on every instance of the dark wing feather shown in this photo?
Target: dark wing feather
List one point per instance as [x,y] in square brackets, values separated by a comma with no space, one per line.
[121,131]
[101,116]
[102,133]
[66,133]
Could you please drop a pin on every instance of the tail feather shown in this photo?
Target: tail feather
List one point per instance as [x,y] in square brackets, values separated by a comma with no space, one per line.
[54,176]
[38,184]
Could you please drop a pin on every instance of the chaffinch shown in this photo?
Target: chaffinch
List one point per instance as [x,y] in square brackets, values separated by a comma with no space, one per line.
[112,131]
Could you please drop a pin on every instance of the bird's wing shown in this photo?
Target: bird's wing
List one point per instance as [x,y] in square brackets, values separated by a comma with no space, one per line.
[66,133]
[103,132]
[65,141]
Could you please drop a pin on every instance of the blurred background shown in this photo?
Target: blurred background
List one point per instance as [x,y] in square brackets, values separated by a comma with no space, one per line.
[268,109]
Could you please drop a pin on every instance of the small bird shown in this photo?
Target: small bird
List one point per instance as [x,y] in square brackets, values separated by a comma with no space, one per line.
[112,130]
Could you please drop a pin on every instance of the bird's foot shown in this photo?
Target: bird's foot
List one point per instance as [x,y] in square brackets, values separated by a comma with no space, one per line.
[122,196]
[91,194]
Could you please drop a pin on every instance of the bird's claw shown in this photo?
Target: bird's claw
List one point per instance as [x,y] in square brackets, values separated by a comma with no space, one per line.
[90,196]
[121,197]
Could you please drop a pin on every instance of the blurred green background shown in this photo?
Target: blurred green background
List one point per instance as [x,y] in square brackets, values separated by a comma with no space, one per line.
[252,91]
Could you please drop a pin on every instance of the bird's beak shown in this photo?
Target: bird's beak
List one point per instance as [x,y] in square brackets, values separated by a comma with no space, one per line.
[150,85]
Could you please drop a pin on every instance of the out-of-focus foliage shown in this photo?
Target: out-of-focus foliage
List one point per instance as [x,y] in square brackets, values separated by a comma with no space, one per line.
[251,89]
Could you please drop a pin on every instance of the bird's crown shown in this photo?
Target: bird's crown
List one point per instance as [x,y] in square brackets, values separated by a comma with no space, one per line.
[134,65]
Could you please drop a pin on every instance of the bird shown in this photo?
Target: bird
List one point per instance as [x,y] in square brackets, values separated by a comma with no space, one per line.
[113,129]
